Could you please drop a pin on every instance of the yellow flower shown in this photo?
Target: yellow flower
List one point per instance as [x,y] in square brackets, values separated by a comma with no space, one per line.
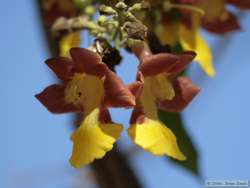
[161,89]
[217,18]
[190,39]
[146,129]
[88,87]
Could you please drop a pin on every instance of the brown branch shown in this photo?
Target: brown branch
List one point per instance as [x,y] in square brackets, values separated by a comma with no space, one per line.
[114,171]
[52,44]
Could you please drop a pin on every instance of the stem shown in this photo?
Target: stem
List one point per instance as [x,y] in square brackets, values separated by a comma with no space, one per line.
[76,23]
[168,6]
[141,50]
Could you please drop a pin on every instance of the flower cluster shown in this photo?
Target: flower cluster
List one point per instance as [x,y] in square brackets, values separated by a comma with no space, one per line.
[184,26]
[90,86]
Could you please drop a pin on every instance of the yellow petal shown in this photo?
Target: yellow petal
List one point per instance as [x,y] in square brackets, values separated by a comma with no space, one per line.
[161,87]
[154,137]
[147,101]
[69,41]
[155,87]
[92,140]
[192,40]
[85,90]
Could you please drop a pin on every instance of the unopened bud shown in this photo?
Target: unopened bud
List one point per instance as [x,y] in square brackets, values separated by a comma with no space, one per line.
[102,19]
[121,5]
[106,10]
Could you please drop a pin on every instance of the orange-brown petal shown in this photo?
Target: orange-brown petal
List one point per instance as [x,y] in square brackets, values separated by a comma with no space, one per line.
[62,67]
[88,62]
[116,93]
[156,64]
[222,26]
[136,88]
[185,91]
[184,59]
[52,98]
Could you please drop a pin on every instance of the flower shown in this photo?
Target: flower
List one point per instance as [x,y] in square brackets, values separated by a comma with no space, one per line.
[88,87]
[161,89]
[217,18]
[186,31]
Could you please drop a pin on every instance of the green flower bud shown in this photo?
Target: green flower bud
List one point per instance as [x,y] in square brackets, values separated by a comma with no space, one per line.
[107,10]
[102,19]
[121,5]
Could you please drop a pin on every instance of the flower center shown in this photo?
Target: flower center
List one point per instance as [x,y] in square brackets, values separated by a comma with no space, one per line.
[85,91]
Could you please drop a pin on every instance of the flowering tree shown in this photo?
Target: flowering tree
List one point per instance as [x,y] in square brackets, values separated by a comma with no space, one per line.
[165,38]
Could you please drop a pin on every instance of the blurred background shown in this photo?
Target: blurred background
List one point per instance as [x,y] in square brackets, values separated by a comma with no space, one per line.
[35,144]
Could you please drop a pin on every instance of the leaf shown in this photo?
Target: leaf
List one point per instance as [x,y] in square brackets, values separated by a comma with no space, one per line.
[174,122]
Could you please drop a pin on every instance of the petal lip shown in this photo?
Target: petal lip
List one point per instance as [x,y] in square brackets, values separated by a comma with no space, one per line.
[185,92]
[63,67]
[116,93]
[87,61]
[222,26]
[52,98]
[153,136]
[93,139]
[156,64]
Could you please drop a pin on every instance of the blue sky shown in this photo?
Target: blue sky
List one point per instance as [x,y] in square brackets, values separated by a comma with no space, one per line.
[35,144]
